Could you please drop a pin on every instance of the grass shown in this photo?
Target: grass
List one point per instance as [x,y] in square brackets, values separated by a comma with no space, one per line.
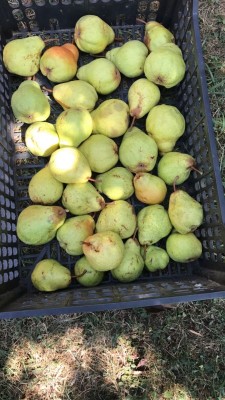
[176,354]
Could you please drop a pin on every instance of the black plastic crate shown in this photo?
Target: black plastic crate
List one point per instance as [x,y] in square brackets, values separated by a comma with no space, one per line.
[202,279]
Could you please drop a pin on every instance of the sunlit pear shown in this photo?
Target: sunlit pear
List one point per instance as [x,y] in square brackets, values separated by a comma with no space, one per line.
[156,35]
[132,264]
[49,275]
[175,167]
[92,34]
[22,56]
[183,248]
[101,152]
[166,125]
[82,198]
[43,188]
[73,232]
[155,258]
[116,184]
[143,95]
[86,275]
[186,213]
[69,165]
[153,224]
[41,139]
[111,118]
[29,104]
[118,216]
[102,74]
[75,94]
[38,224]
[104,250]
[138,151]
[73,127]
[149,189]
[129,58]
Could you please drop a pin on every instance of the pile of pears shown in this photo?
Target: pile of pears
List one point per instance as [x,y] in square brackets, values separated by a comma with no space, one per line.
[109,192]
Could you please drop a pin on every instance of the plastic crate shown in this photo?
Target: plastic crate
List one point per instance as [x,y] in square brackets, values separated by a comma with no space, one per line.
[202,279]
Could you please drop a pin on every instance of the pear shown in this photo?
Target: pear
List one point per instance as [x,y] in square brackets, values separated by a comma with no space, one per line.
[41,138]
[29,104]
[132,264]
[69,165]
[49,275]
[86,275]
[186,214]
[73,232]
[22,56]
[166,125]
[129,58]
[37,224]
[104,250]
[175,167]
[73,127]
[183,248]
[116,184]
[155,258]
[165,66]
[138,152]
[156,35]
[92,34]
[43,188]
[142,97]
[101,74]
[153,224]
[101,152]
[75,94]
[82,198]
[59,63]
[111,118]
[149,189]
[118,216]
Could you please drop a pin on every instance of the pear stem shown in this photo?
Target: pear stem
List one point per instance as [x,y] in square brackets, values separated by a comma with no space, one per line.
[118,39]
[141,20]
[51,40]
[47,89]
[132,122]
[92,180]
[196,170]
[174,183]
[79,276]
[135,232]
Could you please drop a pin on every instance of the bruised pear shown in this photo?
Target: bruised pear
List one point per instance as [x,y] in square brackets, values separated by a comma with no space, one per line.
[38,224]
[41,138]
[116,184]
[153,224]
[104,250]
[183,248]
[85,274]
[82,198]
[175,167]
[156,35]
[149,189]
[49,275]
[132,263]
[75,94]
[155,258]
[43,188]
[143,95]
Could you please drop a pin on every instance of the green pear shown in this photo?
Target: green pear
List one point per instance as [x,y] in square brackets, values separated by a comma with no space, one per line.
[149,189]
[73,127]
[166,125]
[101,74]
[175,167]
[82,198]
[69,165]
[116,184]
[75,94]
[118,216]
[153,224]
[165,66]
[73,232]
[183,248]
[86,275]
[41,139]
[49,275]
[138,152]
[132,264]
[92,34]
[22,56]
[29,104]
[186,214]
[104,250]
[143,95]
[111,118]
[38,224]
[155,258]
[157,35]
[101,152]
[129,58]
[43,188]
